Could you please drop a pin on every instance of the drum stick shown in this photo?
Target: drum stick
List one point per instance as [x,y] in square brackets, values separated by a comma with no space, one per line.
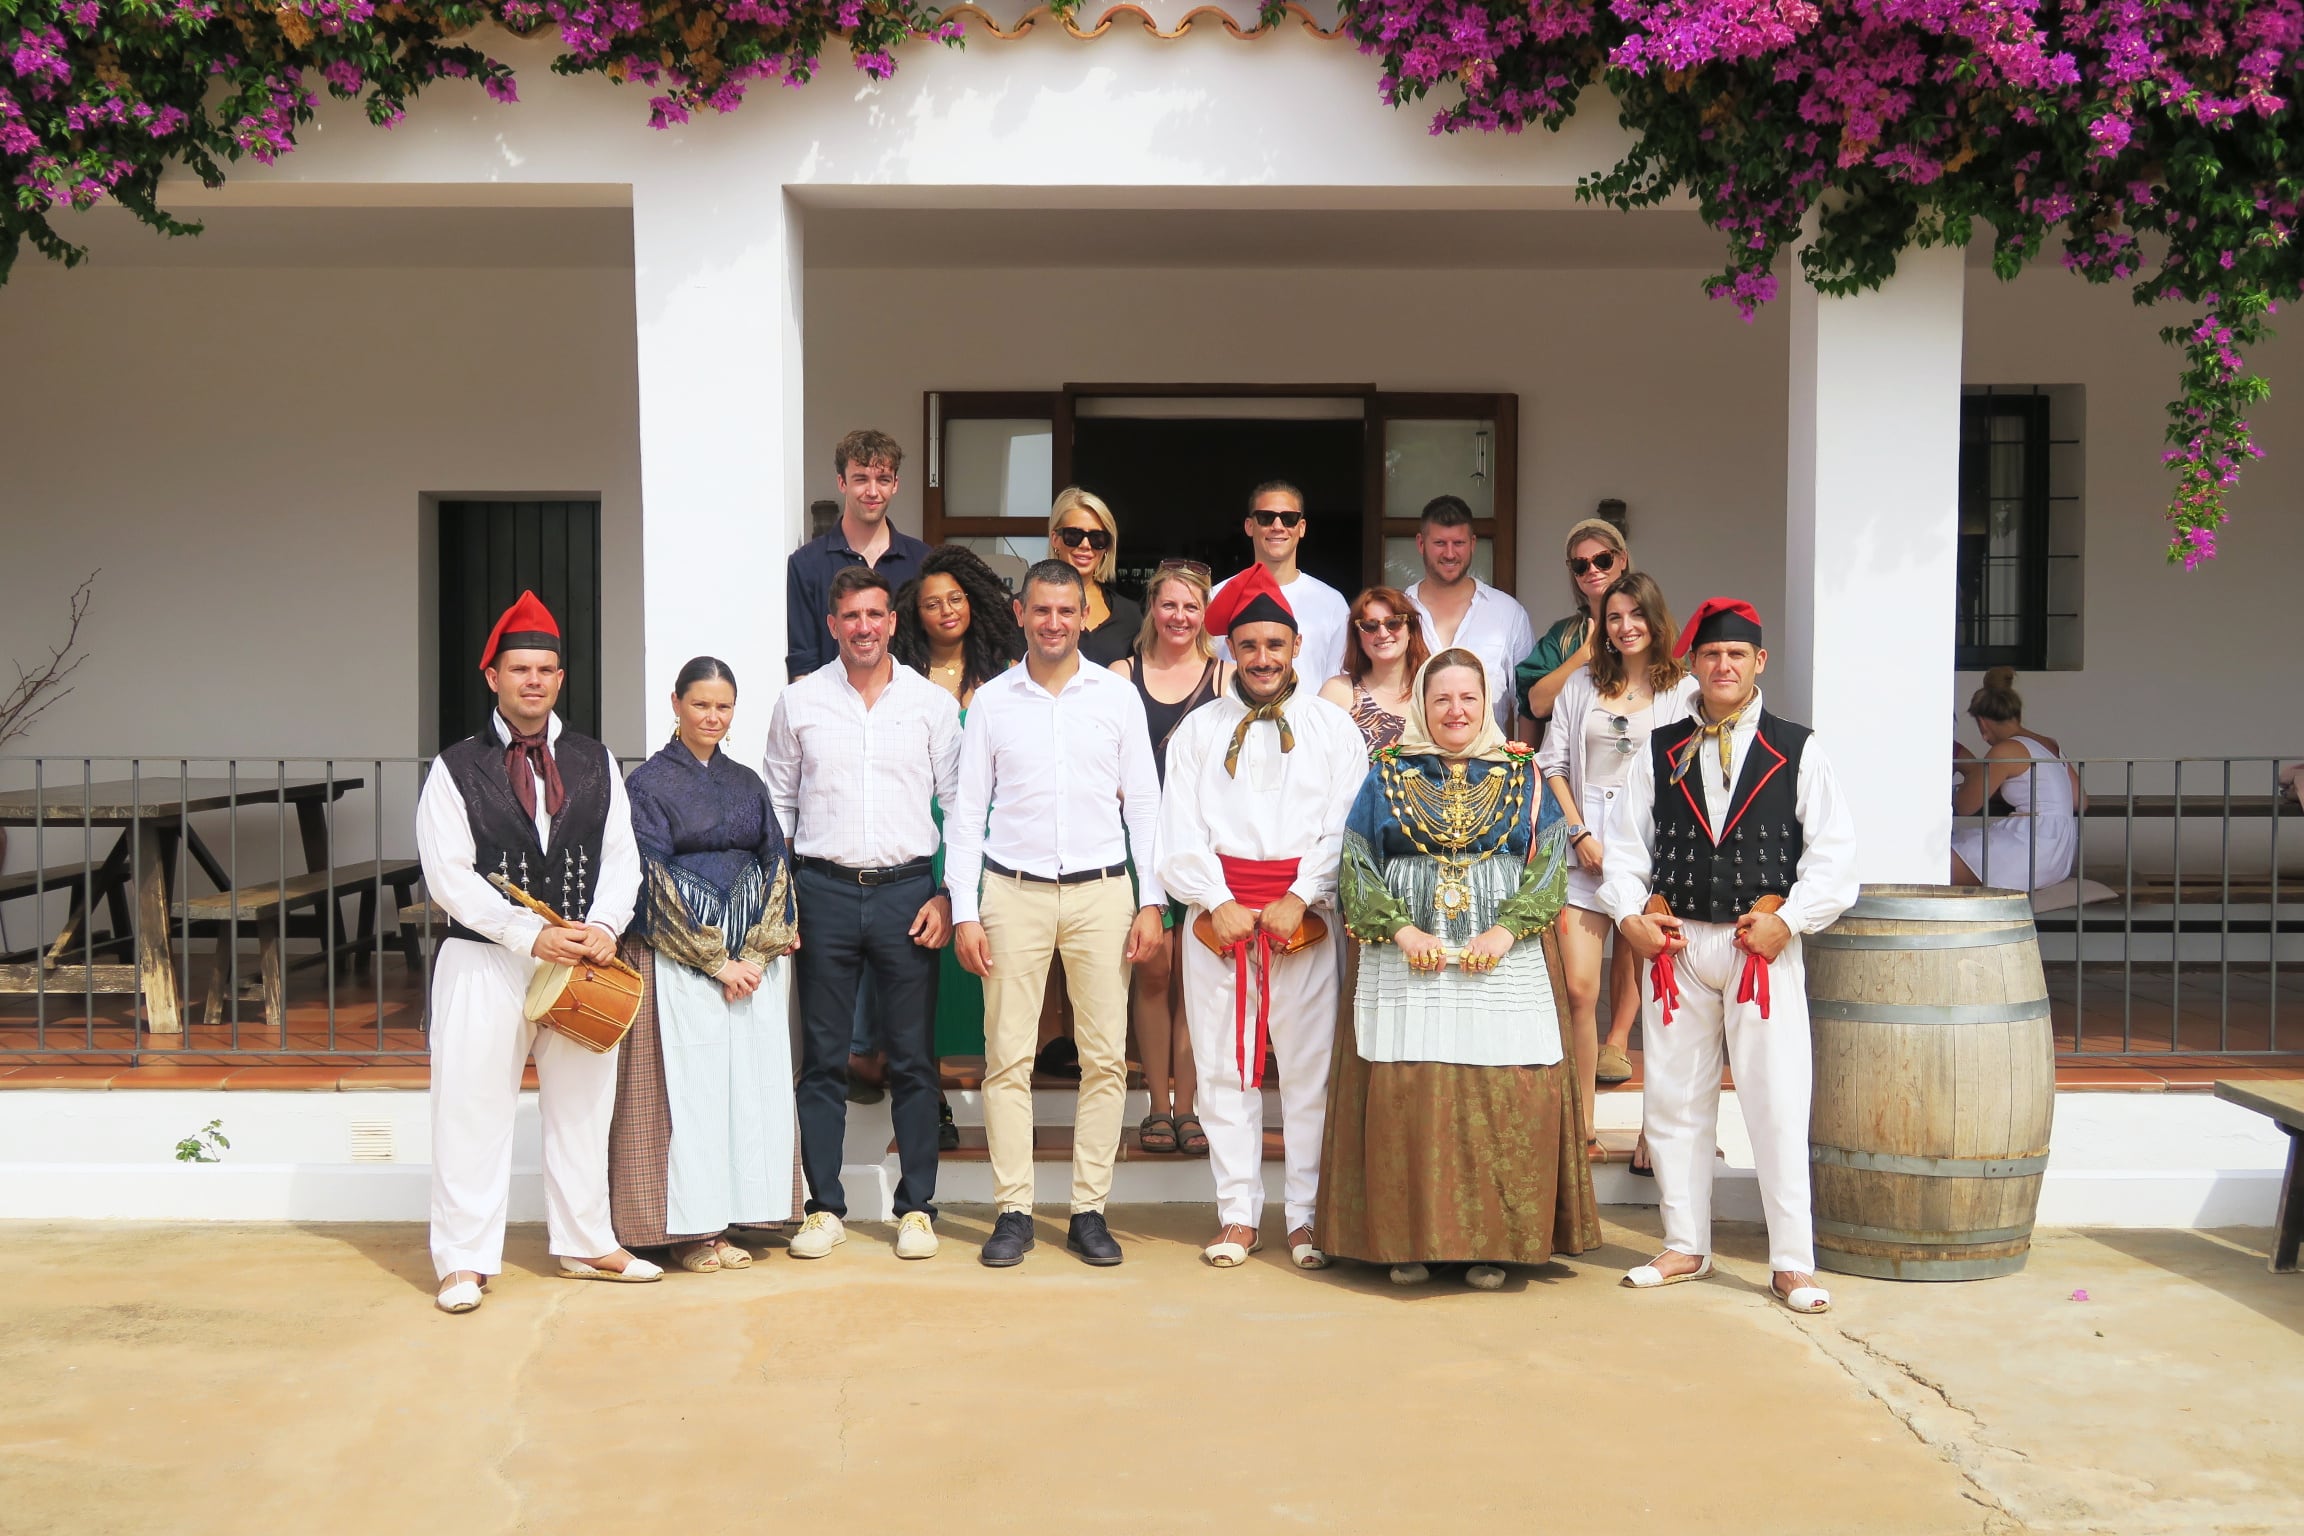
[544,910]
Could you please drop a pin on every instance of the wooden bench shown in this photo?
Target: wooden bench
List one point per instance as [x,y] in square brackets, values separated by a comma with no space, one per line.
[2284,1102]
[265,906]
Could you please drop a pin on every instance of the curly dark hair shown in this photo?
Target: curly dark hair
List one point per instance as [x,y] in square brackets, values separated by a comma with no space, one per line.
[993,642]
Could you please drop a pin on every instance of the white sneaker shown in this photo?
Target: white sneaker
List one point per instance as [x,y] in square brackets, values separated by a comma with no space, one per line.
[915,1238]
[818,1236]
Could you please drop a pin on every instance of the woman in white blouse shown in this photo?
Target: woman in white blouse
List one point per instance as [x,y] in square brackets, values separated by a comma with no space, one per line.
[1600,723]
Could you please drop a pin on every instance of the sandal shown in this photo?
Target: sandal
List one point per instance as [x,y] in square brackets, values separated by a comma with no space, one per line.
[1640,1166]
[1191,1140]
[697,1258]
[1232,1246]
[729,1255]
[1304,1252]
[1157,1133]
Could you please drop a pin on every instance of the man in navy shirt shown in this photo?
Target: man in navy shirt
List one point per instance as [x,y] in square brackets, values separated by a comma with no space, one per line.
[865,463]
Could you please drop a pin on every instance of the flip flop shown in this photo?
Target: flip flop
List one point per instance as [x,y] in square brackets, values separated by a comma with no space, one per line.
[1641,1170]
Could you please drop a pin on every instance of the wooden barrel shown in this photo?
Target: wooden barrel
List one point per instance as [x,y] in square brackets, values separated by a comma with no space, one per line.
[1935,1083]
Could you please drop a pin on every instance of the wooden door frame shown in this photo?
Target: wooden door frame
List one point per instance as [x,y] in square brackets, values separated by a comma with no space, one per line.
[1059,407]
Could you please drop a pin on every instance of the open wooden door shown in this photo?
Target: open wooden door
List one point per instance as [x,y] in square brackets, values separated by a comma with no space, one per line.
[1424,445]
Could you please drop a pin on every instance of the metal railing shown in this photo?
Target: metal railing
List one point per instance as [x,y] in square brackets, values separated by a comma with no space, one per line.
[2180,908]
[187,908]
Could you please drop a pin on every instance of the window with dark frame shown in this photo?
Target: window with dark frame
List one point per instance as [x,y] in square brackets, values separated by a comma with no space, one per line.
[2004,532]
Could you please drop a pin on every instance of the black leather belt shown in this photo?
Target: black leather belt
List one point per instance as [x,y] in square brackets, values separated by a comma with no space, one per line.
[889,876]
[1077,877]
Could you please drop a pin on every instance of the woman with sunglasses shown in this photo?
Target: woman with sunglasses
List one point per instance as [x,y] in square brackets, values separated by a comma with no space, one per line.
[1383,650]
[1176,670]
[1597,555]
[1084,535]
[1600,723]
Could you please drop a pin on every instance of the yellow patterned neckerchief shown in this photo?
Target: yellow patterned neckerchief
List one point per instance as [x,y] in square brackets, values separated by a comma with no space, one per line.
[1707,730]
[1266,711]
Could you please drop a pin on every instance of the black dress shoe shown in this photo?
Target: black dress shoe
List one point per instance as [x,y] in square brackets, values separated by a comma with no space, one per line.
[1091,1240]
[1011,1239]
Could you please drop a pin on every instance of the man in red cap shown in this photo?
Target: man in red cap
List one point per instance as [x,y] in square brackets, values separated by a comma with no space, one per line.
[1260,782]
[1733,819]
[544,808]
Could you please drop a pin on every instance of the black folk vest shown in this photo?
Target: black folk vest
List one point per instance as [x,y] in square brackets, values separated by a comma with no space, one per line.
[504,836]
[1713,875]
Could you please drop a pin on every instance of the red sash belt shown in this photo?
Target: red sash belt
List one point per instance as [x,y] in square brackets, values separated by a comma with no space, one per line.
[1255,884]
[1665,982]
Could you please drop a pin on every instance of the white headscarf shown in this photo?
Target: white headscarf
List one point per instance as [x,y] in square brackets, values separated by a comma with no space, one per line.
[1416,736]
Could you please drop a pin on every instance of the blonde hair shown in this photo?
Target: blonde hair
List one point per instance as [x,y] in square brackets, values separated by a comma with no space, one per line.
[1148,632]
[1997,700]
[1605,532]
[1072,499]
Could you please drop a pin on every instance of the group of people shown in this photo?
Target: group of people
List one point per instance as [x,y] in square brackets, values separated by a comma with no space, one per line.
[1298,829]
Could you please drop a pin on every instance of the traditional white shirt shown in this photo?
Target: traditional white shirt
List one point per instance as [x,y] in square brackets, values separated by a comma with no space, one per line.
[1826,883]
[1279,805]
[1495,629]
[853,784]
[1322,615]
[444,844]
[1053,784]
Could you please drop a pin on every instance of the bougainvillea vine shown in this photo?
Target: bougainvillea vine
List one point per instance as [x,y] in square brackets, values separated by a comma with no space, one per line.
[2151,142]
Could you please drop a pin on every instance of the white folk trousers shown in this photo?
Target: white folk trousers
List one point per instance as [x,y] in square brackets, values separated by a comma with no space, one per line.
[1680,1071]
[1303,1024]
[481,1040]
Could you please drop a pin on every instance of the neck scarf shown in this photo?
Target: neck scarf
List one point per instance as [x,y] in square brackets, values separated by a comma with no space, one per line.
[528,753]
[1416,736]
[1721,731]
[1270,710]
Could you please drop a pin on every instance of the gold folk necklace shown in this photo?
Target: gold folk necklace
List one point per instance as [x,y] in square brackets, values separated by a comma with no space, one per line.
[1442,820]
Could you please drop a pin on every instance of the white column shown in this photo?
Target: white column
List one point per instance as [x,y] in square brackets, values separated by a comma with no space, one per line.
[717,267]
[1864,650]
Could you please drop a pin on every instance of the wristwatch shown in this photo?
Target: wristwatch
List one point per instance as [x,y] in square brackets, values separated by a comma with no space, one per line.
[1577,832]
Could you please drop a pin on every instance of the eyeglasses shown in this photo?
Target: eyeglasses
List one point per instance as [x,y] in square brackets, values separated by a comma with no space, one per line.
[1391,621]
[1194,566]
[1095,538]
[1287,517]
[1603,562]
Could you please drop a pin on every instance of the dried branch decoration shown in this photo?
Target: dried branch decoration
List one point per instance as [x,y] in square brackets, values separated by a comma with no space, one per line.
[35,691]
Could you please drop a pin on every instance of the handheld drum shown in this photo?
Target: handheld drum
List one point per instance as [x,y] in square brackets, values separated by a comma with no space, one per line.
[592,1005]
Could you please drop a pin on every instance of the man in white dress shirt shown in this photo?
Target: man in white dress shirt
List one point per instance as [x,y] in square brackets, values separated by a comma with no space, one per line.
[1057,792]
[1260,782]
[856,753]
[1732,818]
[1457,608]
[1276,525]
[544,808]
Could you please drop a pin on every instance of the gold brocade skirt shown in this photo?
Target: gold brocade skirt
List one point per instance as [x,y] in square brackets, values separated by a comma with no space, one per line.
[1432,1162]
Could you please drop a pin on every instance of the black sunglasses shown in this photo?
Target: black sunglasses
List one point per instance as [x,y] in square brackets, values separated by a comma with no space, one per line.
[1603,562]
[1095,538]
[1266,517]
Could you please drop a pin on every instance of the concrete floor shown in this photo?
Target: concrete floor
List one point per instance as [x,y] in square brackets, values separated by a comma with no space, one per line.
[250,1379]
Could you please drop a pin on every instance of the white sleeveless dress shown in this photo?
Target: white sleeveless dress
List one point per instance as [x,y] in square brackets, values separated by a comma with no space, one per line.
[2038,842]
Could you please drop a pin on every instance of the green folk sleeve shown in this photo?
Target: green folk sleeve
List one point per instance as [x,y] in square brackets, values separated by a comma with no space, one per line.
[1543,890]
[1372,914]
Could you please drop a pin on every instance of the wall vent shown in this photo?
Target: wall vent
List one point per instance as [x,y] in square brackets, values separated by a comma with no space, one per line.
[372,1141]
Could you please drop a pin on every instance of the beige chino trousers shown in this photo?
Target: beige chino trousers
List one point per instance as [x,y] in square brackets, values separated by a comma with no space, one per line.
[1026,924]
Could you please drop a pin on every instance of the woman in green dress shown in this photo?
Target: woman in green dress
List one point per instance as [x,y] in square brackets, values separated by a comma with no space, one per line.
[1452,1129]
[956,626]
[1597,556]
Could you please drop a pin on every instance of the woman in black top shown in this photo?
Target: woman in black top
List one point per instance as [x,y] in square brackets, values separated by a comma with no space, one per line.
[1084,535]
[1175,669]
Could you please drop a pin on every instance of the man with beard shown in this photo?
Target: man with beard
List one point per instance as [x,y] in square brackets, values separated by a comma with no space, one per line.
[1259,785]
[1457,608]
[1057,792]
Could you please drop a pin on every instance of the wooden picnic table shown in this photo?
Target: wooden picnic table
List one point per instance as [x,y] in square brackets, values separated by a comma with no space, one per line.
[2284,1102]
[154,812]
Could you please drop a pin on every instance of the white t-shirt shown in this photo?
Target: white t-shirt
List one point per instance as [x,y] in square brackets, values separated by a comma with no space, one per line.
[1494,628]
[1322,613]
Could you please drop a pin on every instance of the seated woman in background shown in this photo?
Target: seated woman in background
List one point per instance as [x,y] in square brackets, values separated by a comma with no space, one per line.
[2036,843]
